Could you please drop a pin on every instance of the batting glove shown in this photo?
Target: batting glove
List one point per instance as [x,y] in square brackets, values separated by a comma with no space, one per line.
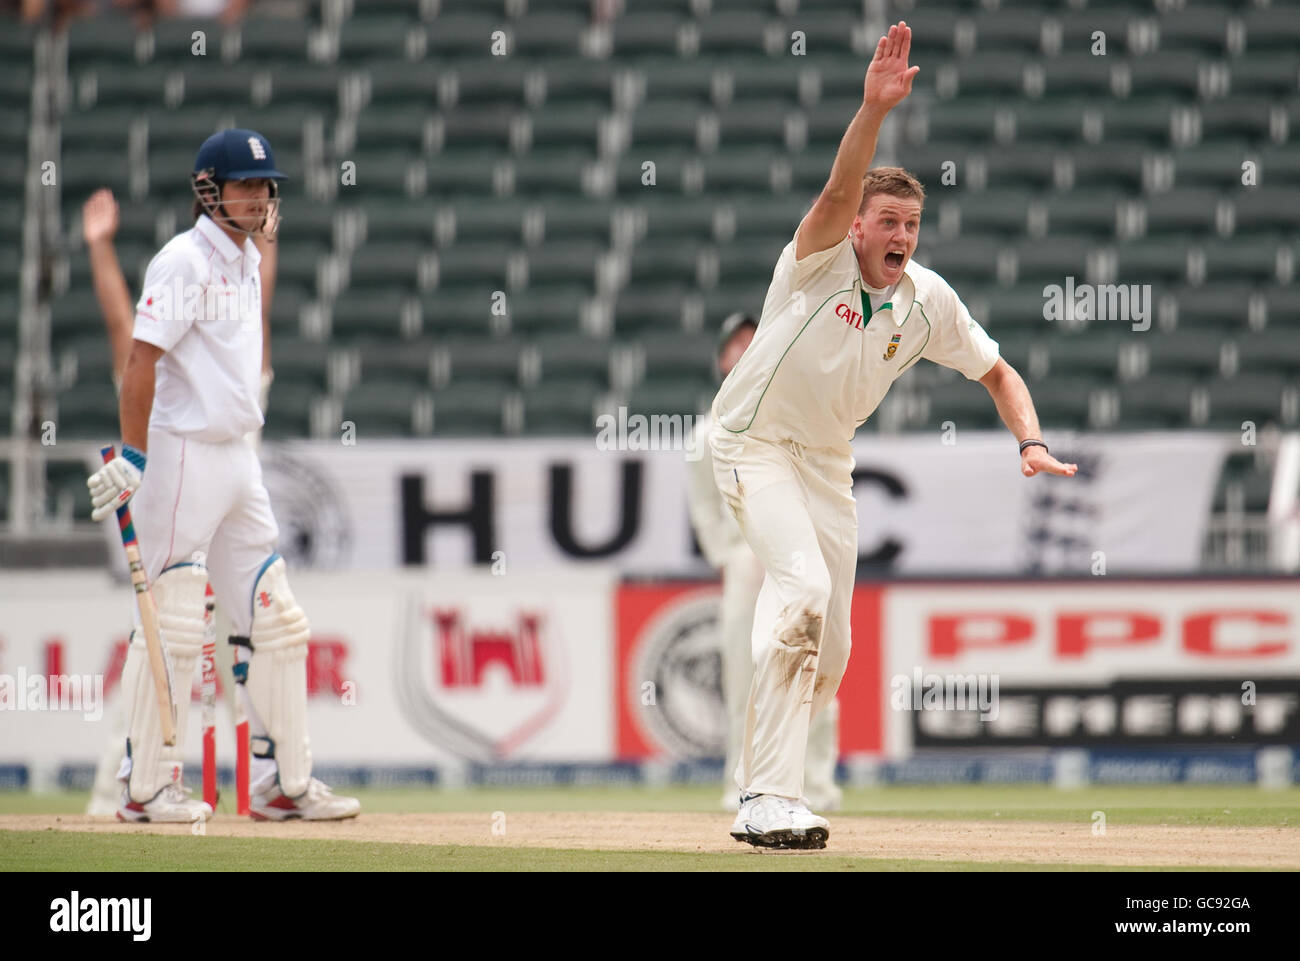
[114,484]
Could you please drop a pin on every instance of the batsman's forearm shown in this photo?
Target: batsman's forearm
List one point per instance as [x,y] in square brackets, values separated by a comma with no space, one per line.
[1015,406]
[114,301]
[136,402]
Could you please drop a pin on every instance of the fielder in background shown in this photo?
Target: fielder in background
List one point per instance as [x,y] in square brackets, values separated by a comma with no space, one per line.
[724,547]
[189,397]
[846,314]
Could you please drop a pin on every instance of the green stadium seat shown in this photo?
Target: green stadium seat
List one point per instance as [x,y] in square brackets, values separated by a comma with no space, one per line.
[1153,260]
[1210,164]
[551,173]
[671,261]
[1275,349]
[958,261]
[1240,258]
[565,220]
[495,81]
[80,174]
[484,363]
[1094,353]
[572,262]
[1204,29]
[289,410]
[576,81]
[466,173]
[727,33]
[1118,166]
[388,265]
[985,212]
[677,396]
[1193,352]
[573,358]
[1266,73]
[547,309]
[1166,73]
[1282,304]
[68,497]
[297,264]
[1017,33]
[754,122]
[640,33]
[1144,120]
[1078,27]
[549,34]
[457,312]
[1263,208]
[1078,74]
[985,74]
[563,408]
[665,124]
[1184,210]
[467,410]
[376,38]
[103,39]
[463,35]
[373,312]
[298,361]
[964,403]
[1155,403]
[174,39]
[1217,307]
[383,409]
[273,40]
[1240,117]
[306,86]
[934,35]
[88,410]
[750,261]
[483,263]
[407,364]
[747,172]
[287,303]
[393,130]
[1015,166]
[658,308]
[1271,28]
[1255,398]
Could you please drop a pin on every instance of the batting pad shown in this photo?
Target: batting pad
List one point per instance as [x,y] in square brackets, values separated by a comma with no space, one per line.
[178,592]
[277,677]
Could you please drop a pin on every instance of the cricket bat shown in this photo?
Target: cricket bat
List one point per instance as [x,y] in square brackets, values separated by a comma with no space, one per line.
[158,667]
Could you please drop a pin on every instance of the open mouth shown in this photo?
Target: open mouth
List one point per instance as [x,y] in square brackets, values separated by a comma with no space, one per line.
[894,259]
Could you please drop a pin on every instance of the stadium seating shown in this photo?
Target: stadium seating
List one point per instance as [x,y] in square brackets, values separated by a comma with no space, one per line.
[504,250]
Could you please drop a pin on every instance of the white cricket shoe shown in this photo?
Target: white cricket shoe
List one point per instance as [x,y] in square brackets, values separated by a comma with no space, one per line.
[318,803]
[769,821]
[171,805]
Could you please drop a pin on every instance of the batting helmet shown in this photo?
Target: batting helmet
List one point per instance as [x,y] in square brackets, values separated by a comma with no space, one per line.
[236,155]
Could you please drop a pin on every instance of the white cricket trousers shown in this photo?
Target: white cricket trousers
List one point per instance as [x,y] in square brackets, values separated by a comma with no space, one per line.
[200,504]
[796,510]
[742,578]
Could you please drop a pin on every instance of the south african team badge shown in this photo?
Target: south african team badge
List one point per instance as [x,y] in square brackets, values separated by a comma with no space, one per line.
[893,347]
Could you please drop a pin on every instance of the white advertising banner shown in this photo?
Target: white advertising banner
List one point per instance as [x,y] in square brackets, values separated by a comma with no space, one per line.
[1090,663]
[1139,504]
[403,669]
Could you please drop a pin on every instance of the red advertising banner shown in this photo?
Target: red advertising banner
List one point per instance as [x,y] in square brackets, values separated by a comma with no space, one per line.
[668,673]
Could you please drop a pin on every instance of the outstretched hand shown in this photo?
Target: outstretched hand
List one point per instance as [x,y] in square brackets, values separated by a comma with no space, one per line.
[99,217]
[889,78]
[1036,460]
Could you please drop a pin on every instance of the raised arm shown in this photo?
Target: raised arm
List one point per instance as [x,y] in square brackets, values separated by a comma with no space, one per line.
[99,221]
[888,82]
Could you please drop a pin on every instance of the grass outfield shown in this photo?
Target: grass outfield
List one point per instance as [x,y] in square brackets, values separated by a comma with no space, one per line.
[1225,806]
[73,846]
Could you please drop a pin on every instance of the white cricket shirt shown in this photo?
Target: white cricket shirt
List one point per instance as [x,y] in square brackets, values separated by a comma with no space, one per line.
[828,348]
[202,304]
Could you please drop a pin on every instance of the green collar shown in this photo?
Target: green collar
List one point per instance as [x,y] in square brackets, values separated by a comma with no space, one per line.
[866,304]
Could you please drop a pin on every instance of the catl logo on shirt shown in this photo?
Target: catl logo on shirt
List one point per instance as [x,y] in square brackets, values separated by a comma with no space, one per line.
[892,349]
[849,315]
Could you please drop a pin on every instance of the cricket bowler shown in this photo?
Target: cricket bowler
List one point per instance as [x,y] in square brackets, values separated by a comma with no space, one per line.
[846,314]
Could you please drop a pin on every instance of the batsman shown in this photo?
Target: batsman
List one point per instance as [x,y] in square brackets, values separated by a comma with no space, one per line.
[846,314]
[189,396]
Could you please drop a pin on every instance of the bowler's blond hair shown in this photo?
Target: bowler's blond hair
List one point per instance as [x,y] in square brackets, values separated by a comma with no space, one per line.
[894,181]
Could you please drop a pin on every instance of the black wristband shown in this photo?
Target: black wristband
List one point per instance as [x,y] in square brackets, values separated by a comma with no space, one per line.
[1032,443]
